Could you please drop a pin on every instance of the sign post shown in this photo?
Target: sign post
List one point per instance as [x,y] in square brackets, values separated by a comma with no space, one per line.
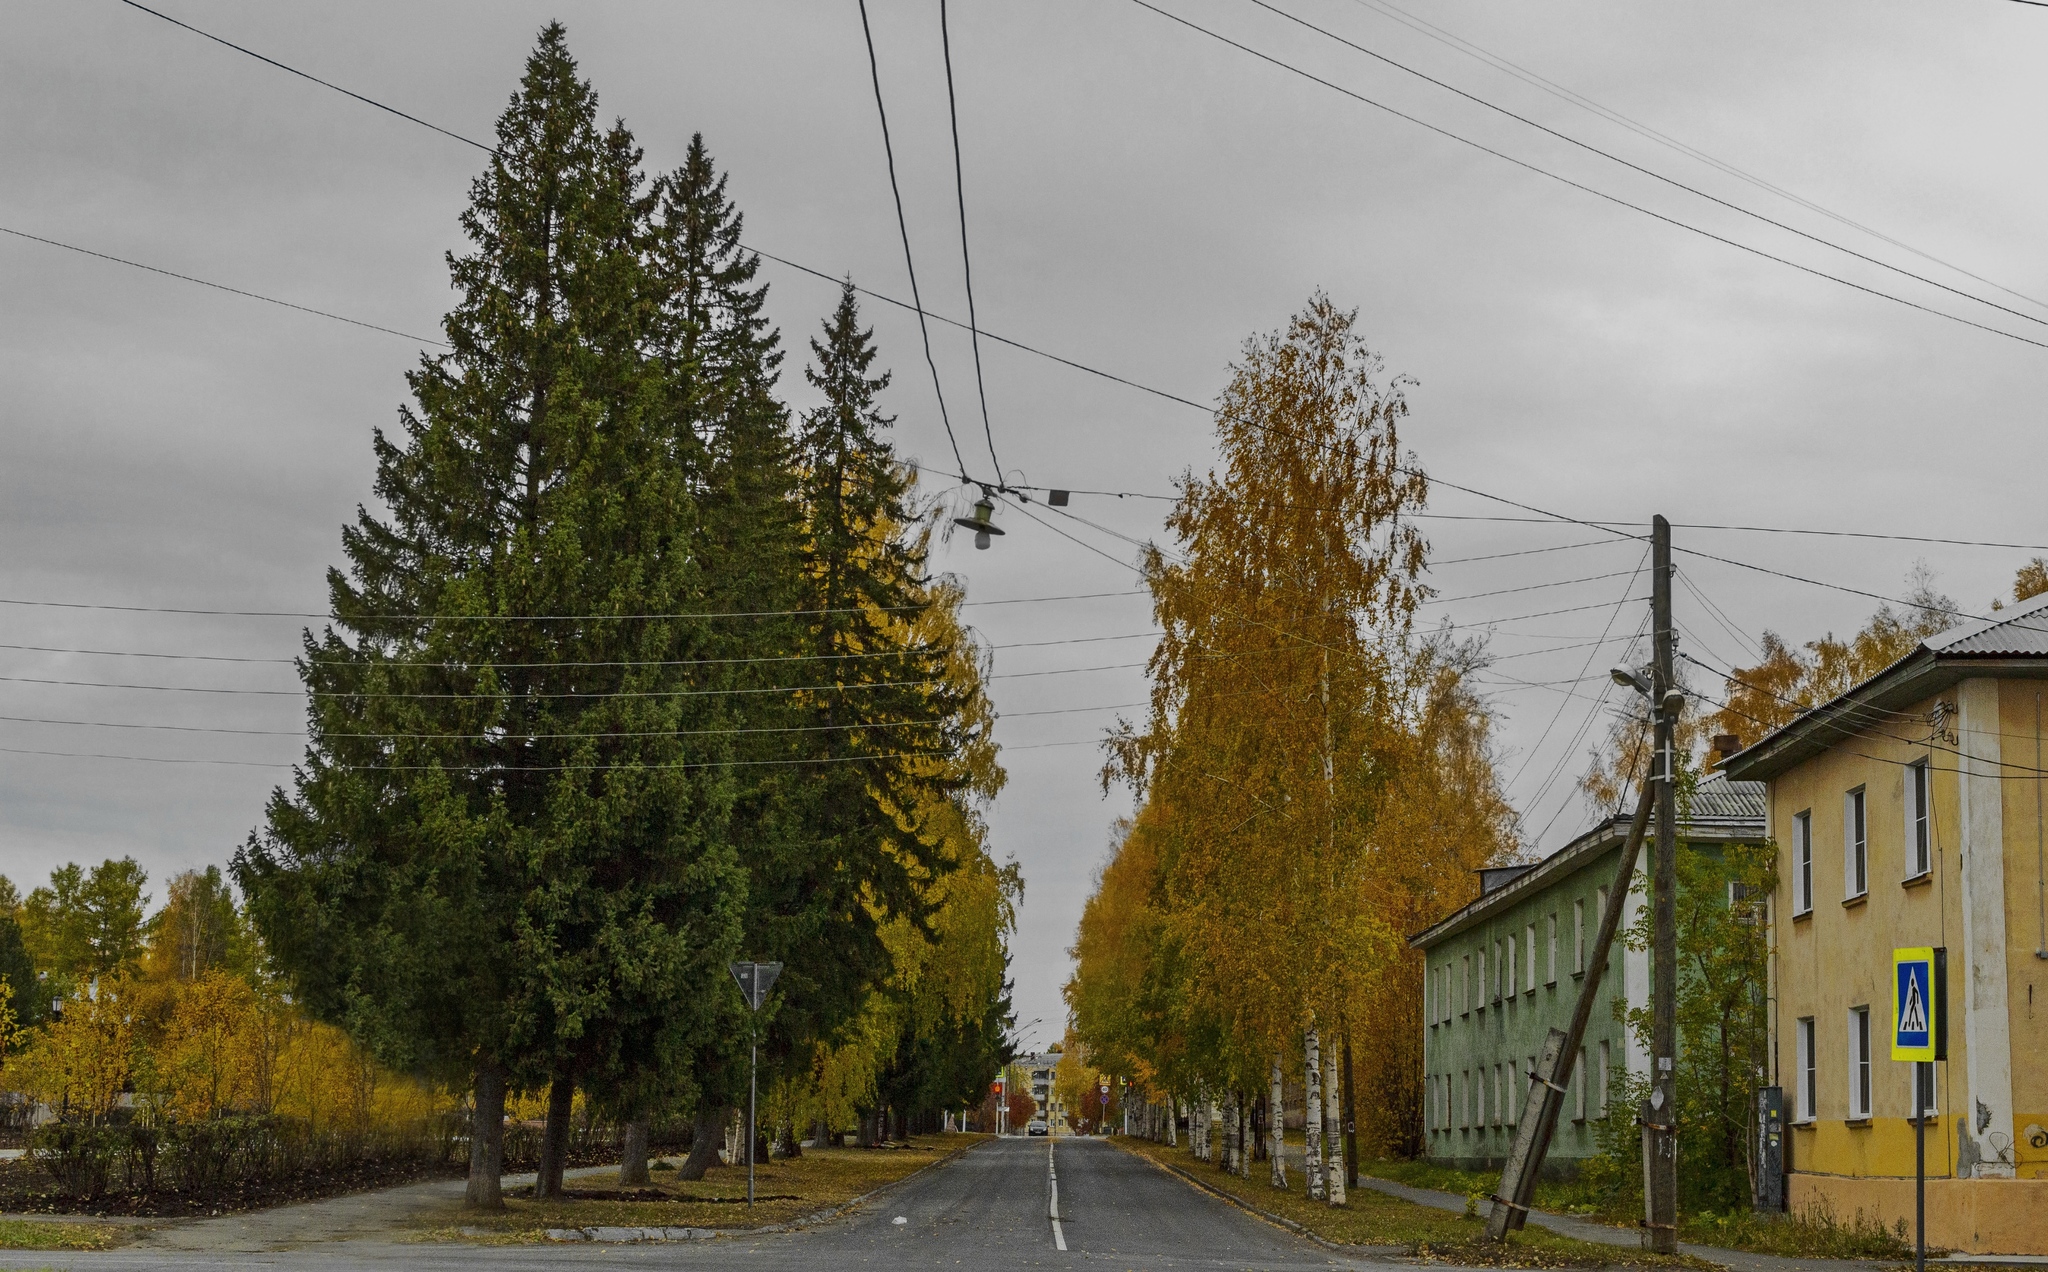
[1919,1038]
[754,980]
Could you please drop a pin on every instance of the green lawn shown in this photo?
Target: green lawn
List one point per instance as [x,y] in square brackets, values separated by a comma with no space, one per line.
[816,1181]
[25,1234]
[1374,1219]
[1817,1234]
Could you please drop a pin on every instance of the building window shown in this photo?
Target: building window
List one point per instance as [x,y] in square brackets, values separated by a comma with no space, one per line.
[1579,935]
[1925,1073]
[1919,847]
[1605,1055]
[1510,967]
[1579,1088]
[1600,914]
[1808,1078]
[1499,1105]
[1859,1062]
[1465,985]
[1855,847]
[1529,946]
[1802,863]
[1550,972]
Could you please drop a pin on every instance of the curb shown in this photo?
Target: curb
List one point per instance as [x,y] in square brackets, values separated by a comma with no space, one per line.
[1278,1220]
[628,1236]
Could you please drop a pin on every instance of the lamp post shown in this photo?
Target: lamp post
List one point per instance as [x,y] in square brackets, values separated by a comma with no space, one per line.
[754,980]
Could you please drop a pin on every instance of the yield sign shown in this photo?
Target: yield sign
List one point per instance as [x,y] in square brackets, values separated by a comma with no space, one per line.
[754,981]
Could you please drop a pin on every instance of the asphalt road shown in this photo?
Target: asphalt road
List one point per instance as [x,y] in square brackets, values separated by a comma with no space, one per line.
[983,1212]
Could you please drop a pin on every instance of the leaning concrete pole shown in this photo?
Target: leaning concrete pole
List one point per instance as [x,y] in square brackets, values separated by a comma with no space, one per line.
[1554,1067]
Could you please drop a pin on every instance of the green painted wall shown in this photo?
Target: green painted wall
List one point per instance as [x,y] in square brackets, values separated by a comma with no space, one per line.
[1481,1042]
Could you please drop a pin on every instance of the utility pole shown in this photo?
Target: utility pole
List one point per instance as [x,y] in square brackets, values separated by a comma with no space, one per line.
[1660,1119]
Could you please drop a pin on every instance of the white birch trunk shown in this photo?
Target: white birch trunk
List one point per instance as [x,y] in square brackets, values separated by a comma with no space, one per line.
[1333,1126]
[1212,1115]
[1173,1122]
[1276,1131]
[1229,1135]
[1247,1138]
[1312,1117]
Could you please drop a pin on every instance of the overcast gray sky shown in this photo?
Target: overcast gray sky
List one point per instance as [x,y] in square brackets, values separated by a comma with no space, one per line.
[1140,199]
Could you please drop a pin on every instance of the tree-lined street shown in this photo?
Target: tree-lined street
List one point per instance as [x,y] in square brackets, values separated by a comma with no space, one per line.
[987,1209]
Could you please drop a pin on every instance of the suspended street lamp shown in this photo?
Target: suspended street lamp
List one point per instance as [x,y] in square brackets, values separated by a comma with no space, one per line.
[983,521]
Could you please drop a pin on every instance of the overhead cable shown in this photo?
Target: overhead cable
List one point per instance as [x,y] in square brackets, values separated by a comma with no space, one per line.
[909,263]
[966,258]
[1576,185]
[1636,167]
[1559,91]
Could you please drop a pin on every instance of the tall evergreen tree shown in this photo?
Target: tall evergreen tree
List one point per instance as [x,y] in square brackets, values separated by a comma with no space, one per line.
[505,854]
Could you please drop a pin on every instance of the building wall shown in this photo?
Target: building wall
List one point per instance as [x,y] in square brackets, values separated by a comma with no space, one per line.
[1471,1035]
[1982,900]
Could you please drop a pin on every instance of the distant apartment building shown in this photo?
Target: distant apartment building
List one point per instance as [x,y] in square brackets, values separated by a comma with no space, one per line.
[1501,972]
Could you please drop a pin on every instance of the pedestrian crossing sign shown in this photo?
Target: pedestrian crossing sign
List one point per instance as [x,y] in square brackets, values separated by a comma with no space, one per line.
[1913,1007]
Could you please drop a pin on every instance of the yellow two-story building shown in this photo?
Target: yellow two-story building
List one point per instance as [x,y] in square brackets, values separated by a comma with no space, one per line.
[1909,812]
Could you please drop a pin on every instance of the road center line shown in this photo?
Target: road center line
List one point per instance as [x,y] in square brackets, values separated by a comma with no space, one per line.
[1052,1177]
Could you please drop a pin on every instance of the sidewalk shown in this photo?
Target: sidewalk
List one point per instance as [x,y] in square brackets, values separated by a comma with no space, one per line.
[1604,1234]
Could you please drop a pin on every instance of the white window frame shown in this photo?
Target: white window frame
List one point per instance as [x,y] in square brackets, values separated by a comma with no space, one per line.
[1551,978]
[1805,1070]
[1579,1088]
[1802,863]
[1933,1090]
[1465,986]
[1860,1069]
[1578,936]
[1855,845]
[1529,972]
[1606,1058]
[1511,967]
[1496,971]
[1919,836]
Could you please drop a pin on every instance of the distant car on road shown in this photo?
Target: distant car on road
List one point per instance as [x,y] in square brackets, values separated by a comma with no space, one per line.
[1037,1126]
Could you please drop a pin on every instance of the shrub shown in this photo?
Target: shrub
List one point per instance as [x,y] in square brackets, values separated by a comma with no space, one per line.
[80,1157]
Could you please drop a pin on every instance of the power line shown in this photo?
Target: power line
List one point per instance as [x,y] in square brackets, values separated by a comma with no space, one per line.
[966,260]
[526,666]
[1532,587]
[909,263]
[293,70]
[485,737]
[539,618]
[1531,78]
[1576,185]
[1636,167]
[222,287]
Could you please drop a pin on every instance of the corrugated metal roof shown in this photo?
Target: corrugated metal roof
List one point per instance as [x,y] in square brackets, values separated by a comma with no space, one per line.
[1717,797]
[1721,810]
[2022,629]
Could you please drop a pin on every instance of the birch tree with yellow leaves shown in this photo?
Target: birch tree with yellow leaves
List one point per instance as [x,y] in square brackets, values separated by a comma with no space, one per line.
[1314,774]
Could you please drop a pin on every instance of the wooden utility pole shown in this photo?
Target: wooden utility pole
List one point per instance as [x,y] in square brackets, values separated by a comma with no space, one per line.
[1660,1117]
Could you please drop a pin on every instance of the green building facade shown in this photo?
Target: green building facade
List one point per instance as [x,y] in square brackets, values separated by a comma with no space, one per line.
[1505,969]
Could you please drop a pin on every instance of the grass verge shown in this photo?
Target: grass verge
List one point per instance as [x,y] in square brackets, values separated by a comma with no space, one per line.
[1817,1233]
[1439,1236]
[30,1234]
[818,1180]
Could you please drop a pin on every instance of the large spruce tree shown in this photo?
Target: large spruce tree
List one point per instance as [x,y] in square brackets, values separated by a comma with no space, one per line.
[506,855]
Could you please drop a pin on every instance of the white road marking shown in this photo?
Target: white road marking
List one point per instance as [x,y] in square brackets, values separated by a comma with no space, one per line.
[1052,1175]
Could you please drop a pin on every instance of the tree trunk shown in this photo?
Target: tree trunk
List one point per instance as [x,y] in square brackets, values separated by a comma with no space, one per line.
[821,1135]
[790,1148]
[1173,1122]
[705,1133]
[1333,1128]
[864,1131]
[633,1155]
[1276,1131]
[1350,1120]
[1312,1116]
[554,1141]
[487,1140]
